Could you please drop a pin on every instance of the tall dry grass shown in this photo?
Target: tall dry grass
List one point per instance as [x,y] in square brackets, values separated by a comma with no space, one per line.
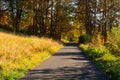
[18,54]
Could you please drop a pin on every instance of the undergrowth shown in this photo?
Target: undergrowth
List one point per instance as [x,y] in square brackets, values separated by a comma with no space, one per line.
[104,59]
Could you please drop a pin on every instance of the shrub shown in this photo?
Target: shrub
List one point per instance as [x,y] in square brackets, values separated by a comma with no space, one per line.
[94,52]
[114,41]
[113,48]
[85,38]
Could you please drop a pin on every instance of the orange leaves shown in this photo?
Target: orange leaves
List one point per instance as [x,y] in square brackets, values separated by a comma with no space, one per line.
[3,18]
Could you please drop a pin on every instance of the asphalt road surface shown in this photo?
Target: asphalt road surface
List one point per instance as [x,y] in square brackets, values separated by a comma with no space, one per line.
[69,63]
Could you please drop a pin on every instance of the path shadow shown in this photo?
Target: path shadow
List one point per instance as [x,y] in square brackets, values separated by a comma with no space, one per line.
[65,73]
[71,44]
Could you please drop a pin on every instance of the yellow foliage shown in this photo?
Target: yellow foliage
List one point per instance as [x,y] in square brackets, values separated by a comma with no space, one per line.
[107,57]
[97,41]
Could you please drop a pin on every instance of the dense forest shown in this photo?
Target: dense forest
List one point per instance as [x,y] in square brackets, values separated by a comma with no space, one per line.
[60,18]
[47,18]
[93,23]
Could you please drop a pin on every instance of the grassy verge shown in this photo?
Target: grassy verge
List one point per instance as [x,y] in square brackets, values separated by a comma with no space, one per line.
[19,54]
[105,60]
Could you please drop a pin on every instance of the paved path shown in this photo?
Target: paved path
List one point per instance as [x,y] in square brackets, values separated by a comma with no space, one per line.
[69,63]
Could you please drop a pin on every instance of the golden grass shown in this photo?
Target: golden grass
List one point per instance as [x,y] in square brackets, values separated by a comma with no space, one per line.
[19,54]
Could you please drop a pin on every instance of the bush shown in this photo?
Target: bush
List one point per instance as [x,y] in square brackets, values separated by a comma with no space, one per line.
[85,38]
[113,48]
[95,52]
[114,41]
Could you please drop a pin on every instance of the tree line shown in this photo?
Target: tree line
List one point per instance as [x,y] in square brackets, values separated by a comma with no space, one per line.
[49,18]
[60,18]
[98,16]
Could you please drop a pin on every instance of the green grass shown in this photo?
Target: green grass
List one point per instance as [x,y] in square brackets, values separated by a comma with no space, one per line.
[105,60]
[18,54]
